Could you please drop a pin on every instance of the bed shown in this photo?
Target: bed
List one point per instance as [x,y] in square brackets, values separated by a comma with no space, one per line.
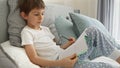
[14,56]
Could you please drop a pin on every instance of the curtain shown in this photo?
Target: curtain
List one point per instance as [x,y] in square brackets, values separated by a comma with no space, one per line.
[109,14]
[105,13]
[116,21]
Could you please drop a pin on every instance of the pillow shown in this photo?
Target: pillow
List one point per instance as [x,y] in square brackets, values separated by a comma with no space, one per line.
[15,23]
[64,28]
[80,22]
[6,62]
[18,55]
[51,15]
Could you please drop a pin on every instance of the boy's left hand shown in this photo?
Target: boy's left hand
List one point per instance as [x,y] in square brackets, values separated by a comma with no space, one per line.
[71,40]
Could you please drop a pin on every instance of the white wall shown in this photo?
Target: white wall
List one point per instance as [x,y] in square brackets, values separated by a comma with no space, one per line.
[87,7]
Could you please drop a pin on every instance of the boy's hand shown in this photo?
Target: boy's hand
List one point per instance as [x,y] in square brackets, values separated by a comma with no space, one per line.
[71,40]
[69,62]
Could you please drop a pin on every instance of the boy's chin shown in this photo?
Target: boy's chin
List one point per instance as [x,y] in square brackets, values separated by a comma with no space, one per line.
[39,23]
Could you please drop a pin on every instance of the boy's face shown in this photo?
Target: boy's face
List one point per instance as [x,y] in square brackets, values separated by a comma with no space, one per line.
[35,17]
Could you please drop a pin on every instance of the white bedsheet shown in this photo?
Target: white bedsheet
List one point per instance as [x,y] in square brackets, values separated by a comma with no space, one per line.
[107,60]
[18,55]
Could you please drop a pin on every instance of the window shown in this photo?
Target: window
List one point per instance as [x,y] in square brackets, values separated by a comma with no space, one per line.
[116,21]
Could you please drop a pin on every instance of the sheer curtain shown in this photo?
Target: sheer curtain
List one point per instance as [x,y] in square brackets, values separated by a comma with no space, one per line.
[105,13]
[109,15]
[116,21]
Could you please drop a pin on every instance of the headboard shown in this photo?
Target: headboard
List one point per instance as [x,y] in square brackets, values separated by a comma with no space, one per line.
[3,22]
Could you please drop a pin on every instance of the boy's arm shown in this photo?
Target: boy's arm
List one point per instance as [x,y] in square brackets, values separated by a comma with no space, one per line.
[34,58]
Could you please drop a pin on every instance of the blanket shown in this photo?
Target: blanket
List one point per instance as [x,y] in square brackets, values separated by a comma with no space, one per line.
[99,44]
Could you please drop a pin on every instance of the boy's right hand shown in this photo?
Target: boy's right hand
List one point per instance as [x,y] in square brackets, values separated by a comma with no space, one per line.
[69,61]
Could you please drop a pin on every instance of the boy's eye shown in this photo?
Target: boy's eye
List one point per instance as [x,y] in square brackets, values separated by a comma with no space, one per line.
[42,13]
[36,14]
[39,14]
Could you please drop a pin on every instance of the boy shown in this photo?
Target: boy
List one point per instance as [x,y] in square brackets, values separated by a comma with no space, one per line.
[38,40]
[39,43]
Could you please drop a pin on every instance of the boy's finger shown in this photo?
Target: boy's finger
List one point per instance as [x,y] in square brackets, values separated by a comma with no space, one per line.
[73,56]
[70,39]
[75,59]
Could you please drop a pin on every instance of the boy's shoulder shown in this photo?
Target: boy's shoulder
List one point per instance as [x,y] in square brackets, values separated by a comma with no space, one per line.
[44,27]
[25,28]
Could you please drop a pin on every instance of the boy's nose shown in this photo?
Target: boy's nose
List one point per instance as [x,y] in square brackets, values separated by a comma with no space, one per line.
[40,17]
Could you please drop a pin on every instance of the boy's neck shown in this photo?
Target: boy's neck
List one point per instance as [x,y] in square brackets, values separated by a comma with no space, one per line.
[35,28]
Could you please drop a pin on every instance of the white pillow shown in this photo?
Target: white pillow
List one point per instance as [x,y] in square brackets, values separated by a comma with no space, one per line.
[18,55]
[106,60]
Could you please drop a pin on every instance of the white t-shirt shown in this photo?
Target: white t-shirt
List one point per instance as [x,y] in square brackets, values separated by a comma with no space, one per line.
[42,41]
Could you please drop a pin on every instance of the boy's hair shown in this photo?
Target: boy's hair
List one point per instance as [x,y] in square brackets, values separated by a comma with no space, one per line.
[27,5]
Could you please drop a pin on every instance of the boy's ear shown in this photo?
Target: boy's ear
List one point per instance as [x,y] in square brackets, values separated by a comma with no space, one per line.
[24,16]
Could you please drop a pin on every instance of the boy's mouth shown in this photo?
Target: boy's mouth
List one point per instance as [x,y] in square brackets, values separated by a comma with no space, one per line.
[39,22]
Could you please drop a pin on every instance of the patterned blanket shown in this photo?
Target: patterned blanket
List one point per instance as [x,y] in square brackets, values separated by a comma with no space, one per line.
[99,44]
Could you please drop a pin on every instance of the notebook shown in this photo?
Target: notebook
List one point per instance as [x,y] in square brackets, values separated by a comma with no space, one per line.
[79,47]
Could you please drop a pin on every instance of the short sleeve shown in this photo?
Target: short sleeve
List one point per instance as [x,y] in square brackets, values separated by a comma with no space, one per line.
[26,37]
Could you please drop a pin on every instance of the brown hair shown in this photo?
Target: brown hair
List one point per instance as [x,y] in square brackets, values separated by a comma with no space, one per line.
[27,5]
